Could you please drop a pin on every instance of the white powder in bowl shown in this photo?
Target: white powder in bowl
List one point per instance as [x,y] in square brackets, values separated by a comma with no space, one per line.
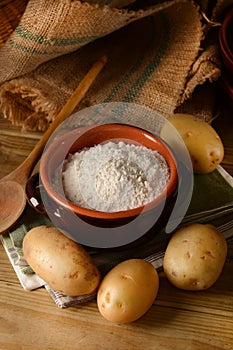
[112,177]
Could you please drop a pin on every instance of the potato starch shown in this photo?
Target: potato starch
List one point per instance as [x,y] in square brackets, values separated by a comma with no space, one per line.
[114,176]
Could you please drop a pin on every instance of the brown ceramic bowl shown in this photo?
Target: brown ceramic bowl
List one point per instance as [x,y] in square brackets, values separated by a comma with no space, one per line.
[80,138]
[226,42]
[91,136]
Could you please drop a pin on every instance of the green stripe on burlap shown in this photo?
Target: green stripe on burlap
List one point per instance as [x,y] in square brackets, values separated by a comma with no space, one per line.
[49,29]
[149,62]
[27,34]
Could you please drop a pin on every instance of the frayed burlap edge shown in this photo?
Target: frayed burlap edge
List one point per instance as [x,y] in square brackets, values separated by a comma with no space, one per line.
[206,68]
[25,105]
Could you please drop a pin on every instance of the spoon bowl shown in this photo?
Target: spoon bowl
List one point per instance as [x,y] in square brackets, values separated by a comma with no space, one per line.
[12,203]
[12,187]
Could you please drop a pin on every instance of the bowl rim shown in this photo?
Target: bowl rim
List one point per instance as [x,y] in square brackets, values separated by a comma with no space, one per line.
[223,36]
[92,213]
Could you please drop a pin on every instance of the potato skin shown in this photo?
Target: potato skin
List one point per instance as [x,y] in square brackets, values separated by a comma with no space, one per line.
[128,291]
[60,262]
[202,141]
[195,257]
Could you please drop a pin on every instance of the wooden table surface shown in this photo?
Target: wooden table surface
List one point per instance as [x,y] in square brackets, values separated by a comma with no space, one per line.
[177,320]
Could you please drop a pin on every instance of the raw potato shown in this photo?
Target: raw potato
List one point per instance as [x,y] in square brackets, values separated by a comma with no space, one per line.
[128,291]
[60,262]
[203,143]
[195,257]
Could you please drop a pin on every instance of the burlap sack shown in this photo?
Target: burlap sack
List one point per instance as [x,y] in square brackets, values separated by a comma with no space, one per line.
[156,61]
[49,29]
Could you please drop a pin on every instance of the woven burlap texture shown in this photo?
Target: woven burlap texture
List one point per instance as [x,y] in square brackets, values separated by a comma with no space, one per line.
[154,61]
[49,29]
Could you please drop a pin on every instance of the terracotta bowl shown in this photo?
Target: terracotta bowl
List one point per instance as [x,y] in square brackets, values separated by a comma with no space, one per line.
[80,138]
[226,42]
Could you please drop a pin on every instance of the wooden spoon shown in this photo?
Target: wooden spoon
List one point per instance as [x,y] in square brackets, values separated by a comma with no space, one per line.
[12,186]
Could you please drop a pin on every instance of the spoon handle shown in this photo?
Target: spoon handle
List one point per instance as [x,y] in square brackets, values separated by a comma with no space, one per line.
[22,172]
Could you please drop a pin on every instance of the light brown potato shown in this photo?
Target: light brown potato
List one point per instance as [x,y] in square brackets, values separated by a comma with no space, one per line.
[60,262]
[202,141]
[128,291]
[195,257]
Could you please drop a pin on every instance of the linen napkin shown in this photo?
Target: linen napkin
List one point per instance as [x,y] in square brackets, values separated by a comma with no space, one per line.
[219,184]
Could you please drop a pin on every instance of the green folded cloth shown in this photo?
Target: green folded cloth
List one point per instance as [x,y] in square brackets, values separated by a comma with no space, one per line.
[12,242]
